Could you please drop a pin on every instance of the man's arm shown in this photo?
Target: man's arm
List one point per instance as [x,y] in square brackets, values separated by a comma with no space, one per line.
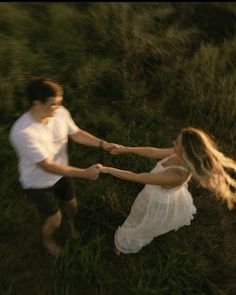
[86,138]
[69,171]
[29,147]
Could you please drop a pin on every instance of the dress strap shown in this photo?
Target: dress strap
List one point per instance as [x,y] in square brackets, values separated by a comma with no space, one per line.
[167,158]
[172,166]
[176,166]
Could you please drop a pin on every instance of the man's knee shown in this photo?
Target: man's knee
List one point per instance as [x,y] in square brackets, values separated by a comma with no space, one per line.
[71,206]
[73,203]
[54,220]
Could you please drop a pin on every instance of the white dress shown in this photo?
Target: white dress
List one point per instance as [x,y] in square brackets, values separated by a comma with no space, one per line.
[155,211]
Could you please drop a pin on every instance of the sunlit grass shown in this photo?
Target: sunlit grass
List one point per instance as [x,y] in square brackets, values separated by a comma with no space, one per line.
[133,74]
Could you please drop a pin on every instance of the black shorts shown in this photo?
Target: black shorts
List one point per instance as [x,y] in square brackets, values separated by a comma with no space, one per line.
[45,199]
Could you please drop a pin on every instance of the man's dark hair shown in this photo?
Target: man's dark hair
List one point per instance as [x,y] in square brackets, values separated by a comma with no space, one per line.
[42,88]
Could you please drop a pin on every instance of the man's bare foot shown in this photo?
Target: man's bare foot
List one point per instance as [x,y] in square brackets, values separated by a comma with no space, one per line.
[117,252]
[52,247]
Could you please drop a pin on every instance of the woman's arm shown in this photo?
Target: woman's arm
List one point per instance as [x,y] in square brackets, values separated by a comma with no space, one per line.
[149,152]
[169,178]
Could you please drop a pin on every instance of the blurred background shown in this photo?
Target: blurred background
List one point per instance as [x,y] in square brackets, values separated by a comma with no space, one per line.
[134,74]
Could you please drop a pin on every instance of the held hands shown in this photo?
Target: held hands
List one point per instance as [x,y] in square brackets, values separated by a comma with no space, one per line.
[109,146]
[101,168]
[92,172]
[113,148]
[119,149]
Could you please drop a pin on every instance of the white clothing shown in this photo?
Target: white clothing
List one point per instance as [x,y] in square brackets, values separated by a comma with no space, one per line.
[34,142]
[155,211]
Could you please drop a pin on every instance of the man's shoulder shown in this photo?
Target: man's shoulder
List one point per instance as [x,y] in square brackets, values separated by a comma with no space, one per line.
[63,111]
[21,122]
[20,125]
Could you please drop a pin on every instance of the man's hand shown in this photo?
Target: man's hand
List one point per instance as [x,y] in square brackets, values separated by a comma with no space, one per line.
[119,149]
[92,172]
[109,146]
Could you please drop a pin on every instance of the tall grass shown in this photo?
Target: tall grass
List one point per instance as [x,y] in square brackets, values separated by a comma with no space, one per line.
[133,73]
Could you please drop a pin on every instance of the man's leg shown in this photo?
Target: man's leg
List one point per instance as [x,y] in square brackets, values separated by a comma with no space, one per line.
[66,191]
[71,208]
[50,225]
[47,206]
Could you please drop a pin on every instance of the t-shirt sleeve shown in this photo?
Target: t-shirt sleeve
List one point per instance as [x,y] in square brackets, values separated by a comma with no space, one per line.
[72,127]
[29,148]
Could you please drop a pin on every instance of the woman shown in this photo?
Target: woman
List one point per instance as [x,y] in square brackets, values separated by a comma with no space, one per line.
[165,203]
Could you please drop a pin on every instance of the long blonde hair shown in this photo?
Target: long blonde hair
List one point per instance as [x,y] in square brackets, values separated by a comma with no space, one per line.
[208,164]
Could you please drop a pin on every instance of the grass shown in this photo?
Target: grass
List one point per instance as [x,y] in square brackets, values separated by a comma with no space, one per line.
[172,264]
[133,74]
[177,263]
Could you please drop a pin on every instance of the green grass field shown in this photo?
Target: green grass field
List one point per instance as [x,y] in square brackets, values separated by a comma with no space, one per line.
[134,74]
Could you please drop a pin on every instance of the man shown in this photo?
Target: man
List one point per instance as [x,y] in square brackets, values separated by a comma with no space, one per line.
[40,138]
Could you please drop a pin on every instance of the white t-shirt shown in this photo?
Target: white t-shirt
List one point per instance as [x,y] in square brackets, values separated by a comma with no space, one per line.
[34,142]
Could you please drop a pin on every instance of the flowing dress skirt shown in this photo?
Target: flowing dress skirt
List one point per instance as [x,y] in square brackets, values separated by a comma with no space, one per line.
[155,211]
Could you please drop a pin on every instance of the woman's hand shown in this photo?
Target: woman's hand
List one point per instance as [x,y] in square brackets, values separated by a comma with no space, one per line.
[101,168]
[119,149]
[108,146]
